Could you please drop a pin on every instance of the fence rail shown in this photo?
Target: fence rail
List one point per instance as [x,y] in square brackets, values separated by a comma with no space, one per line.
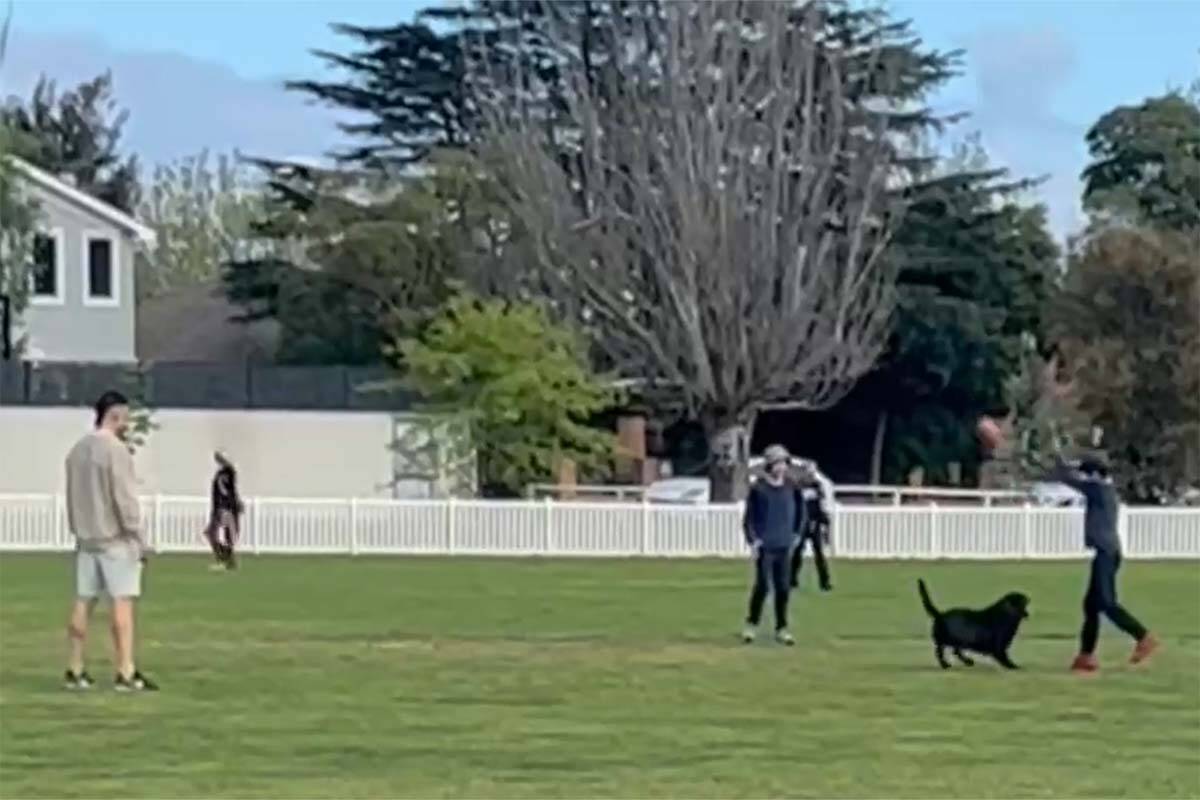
[547,528]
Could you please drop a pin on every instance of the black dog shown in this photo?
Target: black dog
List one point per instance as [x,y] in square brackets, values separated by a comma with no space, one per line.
[988,632]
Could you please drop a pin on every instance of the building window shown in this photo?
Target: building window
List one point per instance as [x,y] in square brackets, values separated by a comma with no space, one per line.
[100,270]
[46,284]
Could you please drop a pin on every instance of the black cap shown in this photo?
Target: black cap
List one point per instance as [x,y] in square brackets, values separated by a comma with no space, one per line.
[106,402]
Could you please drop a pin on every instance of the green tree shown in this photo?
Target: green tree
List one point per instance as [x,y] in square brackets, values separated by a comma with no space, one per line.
[1146,162]
[1127,323]
[202,217]
[1044,415]
[512,384]
[18,216]
[358,257]
[77,134]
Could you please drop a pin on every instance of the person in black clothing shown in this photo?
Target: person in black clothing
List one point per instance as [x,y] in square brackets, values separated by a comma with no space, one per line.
[774,515]
[1092,480]
[225,513]
[814,530]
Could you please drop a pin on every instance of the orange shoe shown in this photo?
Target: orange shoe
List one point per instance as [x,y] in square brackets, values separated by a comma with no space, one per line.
[1144,649]
[1085,663]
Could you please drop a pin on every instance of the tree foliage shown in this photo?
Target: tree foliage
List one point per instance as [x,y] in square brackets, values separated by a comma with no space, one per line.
[1128,325]
[356,258]
[975,271]
[76,133]
[719,211]
[18,216]
[201,216]
[513,384]
[1146,162]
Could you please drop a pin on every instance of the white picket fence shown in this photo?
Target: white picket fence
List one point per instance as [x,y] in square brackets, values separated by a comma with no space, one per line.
[548,528]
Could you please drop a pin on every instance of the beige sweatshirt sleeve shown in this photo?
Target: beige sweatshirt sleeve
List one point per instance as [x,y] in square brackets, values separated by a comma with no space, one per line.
[71,526]
[125,496]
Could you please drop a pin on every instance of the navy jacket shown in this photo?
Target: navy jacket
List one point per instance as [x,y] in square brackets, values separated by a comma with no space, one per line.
[774,515]
[1103,509]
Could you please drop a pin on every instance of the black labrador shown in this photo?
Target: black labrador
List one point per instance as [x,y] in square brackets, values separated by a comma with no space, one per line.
[988,631]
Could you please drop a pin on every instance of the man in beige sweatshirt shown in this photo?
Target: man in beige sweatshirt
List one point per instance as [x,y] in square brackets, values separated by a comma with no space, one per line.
[104,516]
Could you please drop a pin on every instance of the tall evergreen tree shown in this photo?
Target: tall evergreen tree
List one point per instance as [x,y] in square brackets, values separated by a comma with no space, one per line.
[76,134]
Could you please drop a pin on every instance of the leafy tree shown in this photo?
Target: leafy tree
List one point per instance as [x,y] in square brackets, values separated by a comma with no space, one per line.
[1044,415]
[975,270]
[18,215]
[512,384]
[202,217]
[360,257]
[1128,326]
[1146,162]
[76,134]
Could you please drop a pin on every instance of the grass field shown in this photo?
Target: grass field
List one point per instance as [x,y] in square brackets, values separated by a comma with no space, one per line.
[308,677]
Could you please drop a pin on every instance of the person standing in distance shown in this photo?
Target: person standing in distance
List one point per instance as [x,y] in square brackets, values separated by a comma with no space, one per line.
[774,515]
[817,494]
[1093,481]
[225,513]
[104,516]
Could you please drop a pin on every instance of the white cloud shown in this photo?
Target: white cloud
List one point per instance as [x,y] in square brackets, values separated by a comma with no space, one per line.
[178,105]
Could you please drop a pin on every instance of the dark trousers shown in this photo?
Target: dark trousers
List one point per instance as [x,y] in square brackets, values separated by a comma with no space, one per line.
[770,568]
[816,536]
[1101,598]
[222,547]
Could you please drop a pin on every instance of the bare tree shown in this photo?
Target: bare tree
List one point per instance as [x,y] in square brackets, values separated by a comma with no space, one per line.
[712,201]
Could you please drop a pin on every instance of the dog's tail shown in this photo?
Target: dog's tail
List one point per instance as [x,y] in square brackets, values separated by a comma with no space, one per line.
[930,609]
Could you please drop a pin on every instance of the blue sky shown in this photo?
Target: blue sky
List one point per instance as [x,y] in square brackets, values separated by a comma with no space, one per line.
[206,73]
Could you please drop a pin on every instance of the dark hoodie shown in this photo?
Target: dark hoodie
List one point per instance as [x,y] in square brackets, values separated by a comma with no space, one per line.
[1103,507]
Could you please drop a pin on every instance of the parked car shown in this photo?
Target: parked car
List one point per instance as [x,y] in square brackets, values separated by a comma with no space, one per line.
[1053,494]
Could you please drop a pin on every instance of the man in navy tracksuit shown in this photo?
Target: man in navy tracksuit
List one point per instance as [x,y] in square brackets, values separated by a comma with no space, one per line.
[1092,480]
[774,516]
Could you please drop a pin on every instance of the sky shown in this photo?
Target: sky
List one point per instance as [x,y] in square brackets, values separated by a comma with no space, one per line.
[208,74]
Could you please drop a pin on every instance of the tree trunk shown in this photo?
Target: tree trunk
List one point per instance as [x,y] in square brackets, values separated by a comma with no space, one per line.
[877,448]
[729,453]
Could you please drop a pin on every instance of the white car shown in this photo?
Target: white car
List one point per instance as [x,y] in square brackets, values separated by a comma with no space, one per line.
[1056,495]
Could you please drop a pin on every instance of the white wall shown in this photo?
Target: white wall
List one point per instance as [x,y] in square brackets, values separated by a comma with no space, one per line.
[278,453]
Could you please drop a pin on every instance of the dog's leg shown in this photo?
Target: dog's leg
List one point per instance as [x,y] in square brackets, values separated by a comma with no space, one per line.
[939,650]
[961,656]
[1005,661]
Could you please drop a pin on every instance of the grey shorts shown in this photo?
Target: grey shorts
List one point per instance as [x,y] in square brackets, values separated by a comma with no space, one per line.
[113,572]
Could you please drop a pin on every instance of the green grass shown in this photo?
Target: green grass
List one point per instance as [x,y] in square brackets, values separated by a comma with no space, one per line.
[307,677]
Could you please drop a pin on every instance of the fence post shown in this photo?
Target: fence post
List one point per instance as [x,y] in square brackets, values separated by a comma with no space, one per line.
[255,516]
[155,536]
[353,526]
[60,534]
[1027,531]
[548,542]
[835,525]
[450,504]
[644,545]
[935,532]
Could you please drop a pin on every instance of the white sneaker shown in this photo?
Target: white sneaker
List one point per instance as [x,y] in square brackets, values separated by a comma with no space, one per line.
[748,634]
[784,637]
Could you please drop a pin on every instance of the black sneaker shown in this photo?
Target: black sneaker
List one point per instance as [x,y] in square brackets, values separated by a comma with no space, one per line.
[137,683]
[77,682]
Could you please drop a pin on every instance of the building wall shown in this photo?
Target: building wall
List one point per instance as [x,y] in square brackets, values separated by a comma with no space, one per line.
[72,330]
[278,453]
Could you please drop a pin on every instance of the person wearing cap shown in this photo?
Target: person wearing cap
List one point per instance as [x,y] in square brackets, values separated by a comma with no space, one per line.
[773,517]
[104,516]
[225,513]
[816,492]
[1091,478]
